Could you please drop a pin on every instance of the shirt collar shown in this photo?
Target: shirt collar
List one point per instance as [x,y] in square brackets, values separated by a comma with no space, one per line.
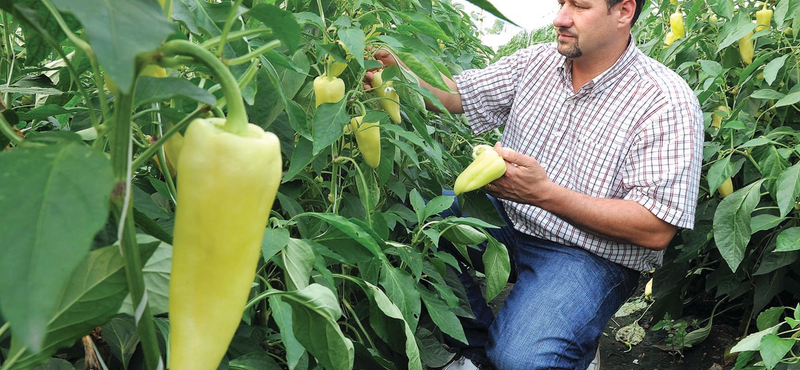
[609,76]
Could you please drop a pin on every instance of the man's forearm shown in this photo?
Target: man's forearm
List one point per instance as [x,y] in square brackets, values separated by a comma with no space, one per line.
[620,220]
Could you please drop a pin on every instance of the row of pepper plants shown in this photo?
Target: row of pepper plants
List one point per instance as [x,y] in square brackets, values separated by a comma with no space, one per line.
[741,58]
[118,113]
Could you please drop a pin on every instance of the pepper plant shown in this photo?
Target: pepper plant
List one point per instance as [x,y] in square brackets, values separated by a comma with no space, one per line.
[113,121]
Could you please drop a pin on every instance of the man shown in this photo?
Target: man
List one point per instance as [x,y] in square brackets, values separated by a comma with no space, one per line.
[604,170]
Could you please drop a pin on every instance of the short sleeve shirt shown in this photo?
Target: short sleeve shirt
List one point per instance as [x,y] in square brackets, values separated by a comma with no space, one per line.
[634,132]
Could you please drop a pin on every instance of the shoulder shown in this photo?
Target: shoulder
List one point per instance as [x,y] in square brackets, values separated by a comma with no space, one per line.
[663,81]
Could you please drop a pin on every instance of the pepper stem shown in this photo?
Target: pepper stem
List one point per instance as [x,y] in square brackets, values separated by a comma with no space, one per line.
[237,115]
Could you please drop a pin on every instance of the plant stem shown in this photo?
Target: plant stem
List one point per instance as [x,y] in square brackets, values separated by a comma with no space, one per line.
[236,122]
[8,131]
[10,363]
[228,24]
[121,152]
[152,149]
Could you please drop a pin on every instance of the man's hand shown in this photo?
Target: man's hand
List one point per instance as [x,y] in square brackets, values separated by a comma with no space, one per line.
[525,181]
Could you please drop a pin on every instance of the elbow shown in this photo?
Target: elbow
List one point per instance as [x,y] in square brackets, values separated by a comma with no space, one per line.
[660,240]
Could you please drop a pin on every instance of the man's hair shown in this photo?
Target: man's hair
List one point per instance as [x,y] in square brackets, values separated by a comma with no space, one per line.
[639,5]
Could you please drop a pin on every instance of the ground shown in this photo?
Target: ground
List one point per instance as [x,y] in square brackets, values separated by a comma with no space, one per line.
[650,353]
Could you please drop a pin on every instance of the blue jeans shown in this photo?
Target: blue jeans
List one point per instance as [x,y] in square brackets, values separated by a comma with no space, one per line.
[553,318]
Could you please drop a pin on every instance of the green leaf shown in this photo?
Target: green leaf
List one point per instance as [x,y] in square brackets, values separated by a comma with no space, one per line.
[254,361]
[774,348]
[723,8]
[400,287]
[424,25]
[328,124]
[788,187]
[720,171]
[788,240]
[282,23]
[353,39]
[55,199]
[765,222]
[298,263]
[282,314]
[92,296]
[115,31]
[315,310]
[391,313]
[156,274]
[752,342]
[498,268]
[353,231]
[438,205]
[770,317]
[155,89]
[463,234]
[732,223]
[767,94]
[423,67]
[442,316]
[734,30]
[274,240]
[122,337]
[789,99]
[773,67]
[486,5]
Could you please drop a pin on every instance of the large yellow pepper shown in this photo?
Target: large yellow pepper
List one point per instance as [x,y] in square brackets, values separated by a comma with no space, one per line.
[726,188]
[763,18]
[389,99]
[368,137]
[230,171]
[328,89]
[487,165]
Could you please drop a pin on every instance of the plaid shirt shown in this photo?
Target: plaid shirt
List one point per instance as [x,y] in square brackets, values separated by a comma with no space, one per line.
[634,132]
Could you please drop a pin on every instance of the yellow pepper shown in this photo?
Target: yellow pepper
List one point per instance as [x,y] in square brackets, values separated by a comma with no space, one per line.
[368,137]
[230,171]
[726,188]
[746,49]
[677,25]
[328,90]
[487,165]
[716,118]
[763,18]
[669,38]
[389,99]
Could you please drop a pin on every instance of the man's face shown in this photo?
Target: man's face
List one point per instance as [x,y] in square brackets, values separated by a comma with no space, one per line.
[584,27]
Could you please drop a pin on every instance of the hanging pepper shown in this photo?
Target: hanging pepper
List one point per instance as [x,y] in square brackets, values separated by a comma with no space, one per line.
[389,99]
[328,90]
[763,18]
[726,188]
[230,171]
[669,38]
[676,24]
[368,137]
[746,49]
[487,165]
[716,118]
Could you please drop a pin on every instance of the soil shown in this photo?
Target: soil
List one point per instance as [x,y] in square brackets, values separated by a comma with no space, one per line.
[652,353]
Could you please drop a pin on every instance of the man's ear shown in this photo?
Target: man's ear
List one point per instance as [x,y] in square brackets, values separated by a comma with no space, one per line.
[627,9]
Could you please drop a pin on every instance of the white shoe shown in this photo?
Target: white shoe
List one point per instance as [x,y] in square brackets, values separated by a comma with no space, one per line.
[595,365]
[461,363]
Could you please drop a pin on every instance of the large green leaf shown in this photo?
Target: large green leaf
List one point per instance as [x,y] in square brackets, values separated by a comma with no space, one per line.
[732,223]
[788,187]
[282,314]
[385,314]
[315,310]
[328,124]
[400,288]
[156,274]
[282,23]
[498,268]
[734,30]
[774,348]
[441,315]
[92,296]
[298,263]
[54,200]
[117,34]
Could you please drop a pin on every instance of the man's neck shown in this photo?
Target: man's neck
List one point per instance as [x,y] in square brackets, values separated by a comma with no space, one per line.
[586,68]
